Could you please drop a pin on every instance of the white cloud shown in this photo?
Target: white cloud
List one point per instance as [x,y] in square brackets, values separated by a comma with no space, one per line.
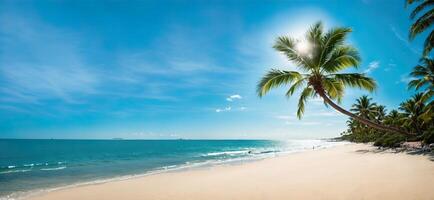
[233,97]
[223,109]
[372,66]
[229,108]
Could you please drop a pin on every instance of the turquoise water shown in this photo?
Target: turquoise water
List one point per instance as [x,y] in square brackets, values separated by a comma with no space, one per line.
[34,165]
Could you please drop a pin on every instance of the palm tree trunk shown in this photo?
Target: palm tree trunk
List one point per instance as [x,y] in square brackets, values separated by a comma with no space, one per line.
[360,119]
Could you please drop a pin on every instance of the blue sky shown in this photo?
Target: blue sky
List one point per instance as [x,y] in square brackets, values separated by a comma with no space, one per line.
[180,69]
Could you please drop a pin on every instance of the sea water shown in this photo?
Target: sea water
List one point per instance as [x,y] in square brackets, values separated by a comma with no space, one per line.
[31,166]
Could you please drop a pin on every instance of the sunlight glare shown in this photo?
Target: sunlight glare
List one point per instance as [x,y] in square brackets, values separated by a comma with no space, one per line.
[303,47]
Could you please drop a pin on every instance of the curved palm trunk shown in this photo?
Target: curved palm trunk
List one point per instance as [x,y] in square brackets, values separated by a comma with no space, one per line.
[360,119]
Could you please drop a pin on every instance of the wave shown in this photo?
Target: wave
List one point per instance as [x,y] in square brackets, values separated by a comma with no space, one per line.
[53,169]
[227,153]
[25,167]
[240,152]
[15,171]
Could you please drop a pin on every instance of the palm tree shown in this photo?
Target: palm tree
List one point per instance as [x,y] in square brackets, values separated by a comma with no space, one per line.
[424,76]
[413,110]
[380,113]
[393,118]
[424,79]
[320,57]
[364,108]
[422,23]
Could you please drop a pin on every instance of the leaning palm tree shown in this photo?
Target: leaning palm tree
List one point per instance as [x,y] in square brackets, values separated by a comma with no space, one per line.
[320,57]
[423,22]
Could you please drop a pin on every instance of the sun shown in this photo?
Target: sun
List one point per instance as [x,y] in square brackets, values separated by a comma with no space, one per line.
[303,47]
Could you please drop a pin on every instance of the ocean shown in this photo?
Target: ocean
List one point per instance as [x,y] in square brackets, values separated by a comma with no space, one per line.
[31,166]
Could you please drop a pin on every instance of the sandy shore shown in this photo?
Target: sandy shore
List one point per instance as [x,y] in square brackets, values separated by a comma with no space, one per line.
[347,172]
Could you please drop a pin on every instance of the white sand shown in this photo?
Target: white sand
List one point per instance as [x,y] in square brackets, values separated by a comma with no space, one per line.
[345,172]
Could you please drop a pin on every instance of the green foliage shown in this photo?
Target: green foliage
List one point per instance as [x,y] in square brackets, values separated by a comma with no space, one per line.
[423,75]
[328,54]
[428,136]
[413,112]
[390,140]
[412,117]
[423,22]
[415,115]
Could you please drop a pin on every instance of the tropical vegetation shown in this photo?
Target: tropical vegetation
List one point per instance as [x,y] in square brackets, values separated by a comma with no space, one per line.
[416,114]
[423,17]
[320,58]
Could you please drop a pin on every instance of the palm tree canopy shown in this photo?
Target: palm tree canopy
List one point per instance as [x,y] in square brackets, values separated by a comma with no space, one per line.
[380,112]
[423,22]
[413,110]
[364,107]
[423,74]
[393,118]
[319,57]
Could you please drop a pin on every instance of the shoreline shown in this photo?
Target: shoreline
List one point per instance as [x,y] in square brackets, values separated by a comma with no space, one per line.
[167,169]
[150,186]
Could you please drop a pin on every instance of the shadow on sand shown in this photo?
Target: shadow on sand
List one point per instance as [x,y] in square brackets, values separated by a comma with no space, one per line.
[419,151]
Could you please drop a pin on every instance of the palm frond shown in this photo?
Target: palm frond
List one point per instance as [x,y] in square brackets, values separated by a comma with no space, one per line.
[275,78]
[334,88]
[295,86]
[315,33]
[286,45]
[421,7]
[408,2]
[355,80]
[421,24]
[341,58]
[417,84]
[332,39]
[428,44]
[305,95]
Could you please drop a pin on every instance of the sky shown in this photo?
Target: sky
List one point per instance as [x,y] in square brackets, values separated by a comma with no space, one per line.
[182,69]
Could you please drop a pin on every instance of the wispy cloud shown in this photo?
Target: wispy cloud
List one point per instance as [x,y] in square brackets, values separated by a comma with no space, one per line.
[223,109]
[404,40]
[234,97]
[285,117]
[321,113]
[405,78]
[372,66]
[390,66]
[303,123]
[230,108]
[40,61]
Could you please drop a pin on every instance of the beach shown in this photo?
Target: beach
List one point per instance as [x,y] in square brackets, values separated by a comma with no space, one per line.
[352,171]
